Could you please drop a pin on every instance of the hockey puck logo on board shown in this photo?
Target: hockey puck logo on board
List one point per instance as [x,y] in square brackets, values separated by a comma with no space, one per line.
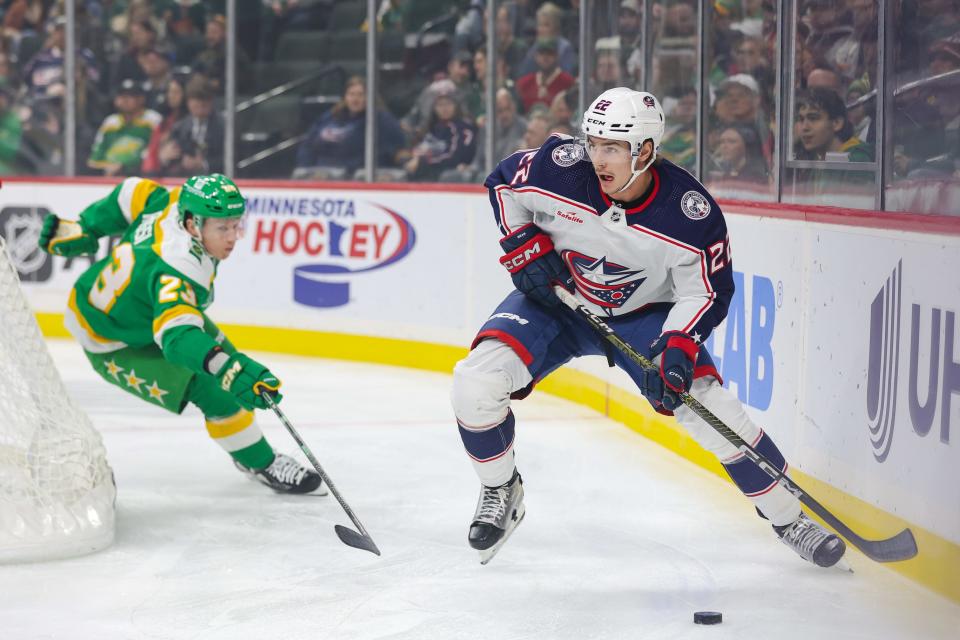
[694,205]
[567,155]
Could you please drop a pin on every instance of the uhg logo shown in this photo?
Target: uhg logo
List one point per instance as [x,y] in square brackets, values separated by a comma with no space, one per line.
[345,237]
[925,360]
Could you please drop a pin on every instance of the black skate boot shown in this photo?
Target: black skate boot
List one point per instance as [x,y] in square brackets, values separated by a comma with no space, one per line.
[812,542]
[499,511]
[286,475]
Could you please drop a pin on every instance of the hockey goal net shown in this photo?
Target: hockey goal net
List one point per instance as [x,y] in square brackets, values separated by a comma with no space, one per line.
[56,488]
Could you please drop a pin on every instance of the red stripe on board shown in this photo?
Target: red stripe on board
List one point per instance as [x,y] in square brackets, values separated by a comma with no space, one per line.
[897,221]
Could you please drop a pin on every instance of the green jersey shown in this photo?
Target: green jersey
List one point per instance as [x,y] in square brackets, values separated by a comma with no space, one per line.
[123,141]
[154,285]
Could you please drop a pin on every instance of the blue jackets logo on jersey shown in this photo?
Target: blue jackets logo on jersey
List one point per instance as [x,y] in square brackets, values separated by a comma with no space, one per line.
[567,155]
[606,284]
[694,205]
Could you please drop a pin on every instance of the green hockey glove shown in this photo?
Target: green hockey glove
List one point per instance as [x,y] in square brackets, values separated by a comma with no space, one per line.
[247,379]
[66,238]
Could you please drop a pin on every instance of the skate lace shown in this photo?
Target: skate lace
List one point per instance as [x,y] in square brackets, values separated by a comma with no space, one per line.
[804,536]
[287,470]
[493,505]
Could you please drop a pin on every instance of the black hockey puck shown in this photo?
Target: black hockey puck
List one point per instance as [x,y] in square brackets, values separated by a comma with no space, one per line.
[708,617]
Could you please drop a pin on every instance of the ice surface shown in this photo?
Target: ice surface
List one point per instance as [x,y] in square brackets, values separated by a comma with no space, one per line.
[622,539]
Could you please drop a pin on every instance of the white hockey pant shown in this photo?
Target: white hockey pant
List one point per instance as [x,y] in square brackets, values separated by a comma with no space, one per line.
[482,384]
[777,504]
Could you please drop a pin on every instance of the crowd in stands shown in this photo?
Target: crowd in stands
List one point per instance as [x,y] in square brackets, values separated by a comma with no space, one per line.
[150,79]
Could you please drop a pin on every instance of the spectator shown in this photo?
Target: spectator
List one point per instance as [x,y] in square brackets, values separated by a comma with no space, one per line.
[11,132]
[751,56]
[561,129]
[823,130]
[538,130]
[44,75]
[141,37]
[334,146]
[829,25]
[940,19]
[173,108]
[501,81]
[212,61]
[156,68]
[549,19]
[185,18]
[824,77]
[449,141]
[563,108]
[541,86]
[680,19]
[510,49]
[200,134]
[740,95]
[679,144]
[511,127]
[739,156]
[122,138]
[606,70]
[845,53]
[857,114]
[457,80]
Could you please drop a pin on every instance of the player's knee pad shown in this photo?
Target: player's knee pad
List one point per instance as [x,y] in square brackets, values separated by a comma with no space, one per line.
[726,406]
[483,382]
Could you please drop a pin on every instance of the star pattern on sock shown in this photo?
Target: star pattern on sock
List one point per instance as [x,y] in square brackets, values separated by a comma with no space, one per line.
[113,369]
[133,381]
[156,392]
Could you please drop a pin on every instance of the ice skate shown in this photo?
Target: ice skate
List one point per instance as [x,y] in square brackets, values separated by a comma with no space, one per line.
[812,542]
[286,475]
[499,511]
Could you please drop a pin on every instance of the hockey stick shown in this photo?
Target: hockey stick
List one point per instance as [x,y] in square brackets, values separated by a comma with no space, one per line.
[349,537]
[902,546]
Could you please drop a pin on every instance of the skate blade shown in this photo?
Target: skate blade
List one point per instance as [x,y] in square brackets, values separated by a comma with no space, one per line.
[843,565]
[487,554]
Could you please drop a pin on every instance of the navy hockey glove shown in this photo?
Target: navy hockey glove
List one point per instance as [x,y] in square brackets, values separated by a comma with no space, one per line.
[533,264]
[66,238]
[676,365]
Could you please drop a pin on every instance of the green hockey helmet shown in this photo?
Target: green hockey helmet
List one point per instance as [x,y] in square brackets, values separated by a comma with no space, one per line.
[212,196]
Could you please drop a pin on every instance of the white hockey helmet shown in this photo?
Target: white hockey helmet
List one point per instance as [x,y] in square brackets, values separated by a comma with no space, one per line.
[624,114]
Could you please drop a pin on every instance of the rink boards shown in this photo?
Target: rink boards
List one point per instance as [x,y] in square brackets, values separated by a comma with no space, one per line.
[842,338]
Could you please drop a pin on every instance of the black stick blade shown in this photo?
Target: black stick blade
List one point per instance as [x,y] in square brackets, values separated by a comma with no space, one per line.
[356,540]
[902,546]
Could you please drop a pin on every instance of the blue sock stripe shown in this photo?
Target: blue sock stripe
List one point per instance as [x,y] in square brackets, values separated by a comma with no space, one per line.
[749,477]
[489,444]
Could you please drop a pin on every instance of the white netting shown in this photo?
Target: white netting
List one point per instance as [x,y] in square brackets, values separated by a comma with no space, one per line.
[56,488]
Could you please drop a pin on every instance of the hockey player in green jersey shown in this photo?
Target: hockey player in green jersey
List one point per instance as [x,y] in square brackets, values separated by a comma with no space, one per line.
[139,312]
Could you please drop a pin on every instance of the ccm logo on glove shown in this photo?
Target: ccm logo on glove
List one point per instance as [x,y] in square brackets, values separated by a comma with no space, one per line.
[227,380]
[533,249]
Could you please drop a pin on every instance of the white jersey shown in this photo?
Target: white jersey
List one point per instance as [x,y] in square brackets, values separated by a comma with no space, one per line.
[670,248]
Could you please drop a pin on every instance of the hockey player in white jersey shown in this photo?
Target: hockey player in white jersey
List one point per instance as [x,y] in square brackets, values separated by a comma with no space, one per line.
[641,242]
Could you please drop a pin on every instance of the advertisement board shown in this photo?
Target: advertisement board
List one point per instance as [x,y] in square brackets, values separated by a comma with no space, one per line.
[841,340]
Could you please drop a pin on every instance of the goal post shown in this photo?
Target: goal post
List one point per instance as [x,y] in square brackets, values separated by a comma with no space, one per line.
[56,489]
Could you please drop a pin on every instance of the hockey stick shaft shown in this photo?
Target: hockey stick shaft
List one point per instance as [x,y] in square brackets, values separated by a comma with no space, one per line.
[361,540]
[902,546]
